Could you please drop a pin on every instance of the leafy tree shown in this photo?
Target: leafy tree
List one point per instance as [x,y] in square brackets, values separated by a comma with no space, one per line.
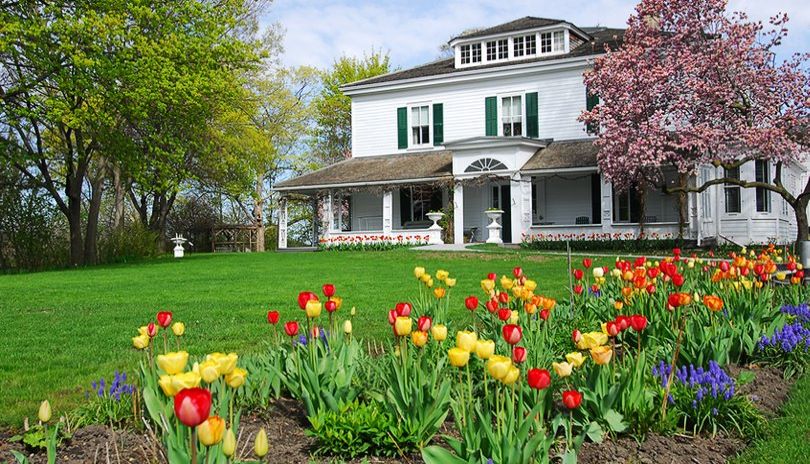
[693,86]
[333,109]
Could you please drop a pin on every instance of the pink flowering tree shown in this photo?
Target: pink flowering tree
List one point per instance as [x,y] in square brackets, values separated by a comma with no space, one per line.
[692,85]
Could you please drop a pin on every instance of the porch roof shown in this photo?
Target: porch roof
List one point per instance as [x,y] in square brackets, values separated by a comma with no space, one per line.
[375,170]
[565,154]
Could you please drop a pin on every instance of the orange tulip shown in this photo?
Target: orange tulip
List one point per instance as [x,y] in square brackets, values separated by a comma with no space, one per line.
[713,302]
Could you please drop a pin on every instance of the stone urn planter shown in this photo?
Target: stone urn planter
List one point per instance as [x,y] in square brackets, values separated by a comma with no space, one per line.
[494,227]
[435,230]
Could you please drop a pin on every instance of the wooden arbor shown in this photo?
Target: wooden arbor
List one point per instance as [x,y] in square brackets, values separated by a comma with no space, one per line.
[233,237]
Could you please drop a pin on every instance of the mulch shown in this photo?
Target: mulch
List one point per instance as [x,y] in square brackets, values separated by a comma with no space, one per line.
[286,423]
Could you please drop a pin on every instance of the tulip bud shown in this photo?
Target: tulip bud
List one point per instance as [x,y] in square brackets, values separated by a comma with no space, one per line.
[44,412]
[291,328]
[518,354]
[328,290]
[538,379]
[512,334]
[471,303]
[211,431]
[571,399]
[179,329]
[260,445]
[164,318]
[576,336]
[439,332]
[151,330]
[330,306]
[347,326]
[424,323]
[544,314]
[612,328]
[353,312]
[192,405]
[229,443]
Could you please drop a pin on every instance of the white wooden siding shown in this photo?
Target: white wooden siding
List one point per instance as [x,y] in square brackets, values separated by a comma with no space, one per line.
[367,211]
[561,99]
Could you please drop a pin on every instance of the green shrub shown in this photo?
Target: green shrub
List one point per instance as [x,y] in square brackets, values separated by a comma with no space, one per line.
[128,243]
[355,429]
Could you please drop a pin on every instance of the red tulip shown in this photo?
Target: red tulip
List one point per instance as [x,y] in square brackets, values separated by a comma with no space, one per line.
[586,263]
[759,269]
[164,318]
[800,274]
[392,316]
[492,305]
[272,317]
[512,334]
[424,323]
[651,289]
[518,354]
[791,266]
[291,328]
[517,272]
[638,322]
[151,330]
[503,297]
[744,271]
[678,280]
[578,289]
[623,322]
[538,379]
[571,399]
[304,297]
[652,272]
[192,405]
[676,251]
[724,266]
[612,328]
[674,300]
[403,309]
[492,276]
[576,335]
[578,274]
[330,306]
[471,302]
[504,314]
[328,290]
[544,313]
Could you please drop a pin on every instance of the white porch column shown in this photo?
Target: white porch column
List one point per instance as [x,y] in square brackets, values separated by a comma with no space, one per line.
[330,216]
[516,207]
[388,211]
[282,223]
[607,204]
[458,213]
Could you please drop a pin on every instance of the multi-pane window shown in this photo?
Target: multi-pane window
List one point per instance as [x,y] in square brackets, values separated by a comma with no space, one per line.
[503,49]
[512,116]
[465,54]
[497,49]
[558,44]
[420,125]
[476,52]
[763,174]
[417,202]
[732,192]
[492,50]
[531,44]
[517,47]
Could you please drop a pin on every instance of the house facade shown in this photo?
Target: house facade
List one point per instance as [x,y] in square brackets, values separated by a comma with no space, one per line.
[496,127]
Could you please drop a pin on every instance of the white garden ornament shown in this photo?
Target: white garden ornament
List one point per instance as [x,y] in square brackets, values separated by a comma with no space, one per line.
[178,241]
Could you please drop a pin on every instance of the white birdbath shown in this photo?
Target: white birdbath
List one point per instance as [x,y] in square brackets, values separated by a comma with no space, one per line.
[494,227]
[178,241]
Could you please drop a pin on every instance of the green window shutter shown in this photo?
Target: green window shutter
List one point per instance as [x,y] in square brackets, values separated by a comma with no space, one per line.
[438,124]
[532,123]
[491,116]
[402,128]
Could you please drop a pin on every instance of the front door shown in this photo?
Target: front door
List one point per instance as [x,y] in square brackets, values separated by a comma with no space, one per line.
[502,199]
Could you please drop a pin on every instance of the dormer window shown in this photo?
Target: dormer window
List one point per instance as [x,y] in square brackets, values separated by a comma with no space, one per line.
[519,45]
[524,45]
[471,53]
[497,49]
[552,42]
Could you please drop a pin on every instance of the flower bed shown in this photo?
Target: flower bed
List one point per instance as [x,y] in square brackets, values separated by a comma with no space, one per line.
[641,348]
[598,241]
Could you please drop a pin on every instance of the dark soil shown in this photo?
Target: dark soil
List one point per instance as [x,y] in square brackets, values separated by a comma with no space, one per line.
[92,444]
[768,391]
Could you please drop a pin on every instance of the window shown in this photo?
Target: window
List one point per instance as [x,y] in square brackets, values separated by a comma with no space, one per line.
[476,53]
[496,197]
[465,54]
[416,202]
[497,50]
[485,164]
[512,116]
[545,42]
[420,125]
[492,51]
[558,44]
[517,46]
[531,44]
[732,192]
[763,174]
[503,49]
[626,206]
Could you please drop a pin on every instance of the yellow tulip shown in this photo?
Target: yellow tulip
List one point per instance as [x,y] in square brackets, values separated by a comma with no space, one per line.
[439,292]
[601,354]
[515,317]
[781,275]
[458,357]
[418,272]
[487,285]
[484,348]
[425,278]
[450,281]
[227,362]
[140,342]
[179,329]
[441,275]
[598,272]
[353,312]
[229,443]
[260,445]
[562,369]
[419,338]
[439,332]
[338,301]
[165,382]
[143,330]
[592,340]
[173,362]
[429,282]
[511,376]
[211,431]
[507,283]
[313,308]
[466,340]
[44,412]
[347,326]
[185,380]
[531,285]
[236,378]
[208,370]
[402,326]
[498,366]
[575,358]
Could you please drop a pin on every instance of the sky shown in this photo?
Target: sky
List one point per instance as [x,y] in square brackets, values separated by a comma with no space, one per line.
[319,31]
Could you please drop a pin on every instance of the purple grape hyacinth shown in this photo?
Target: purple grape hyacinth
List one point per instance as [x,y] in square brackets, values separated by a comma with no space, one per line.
[788,338]
[712,383]
[118,387]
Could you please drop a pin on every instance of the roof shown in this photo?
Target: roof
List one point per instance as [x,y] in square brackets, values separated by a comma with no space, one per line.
[527,22]
[567,154]
[365,170]
[600,38]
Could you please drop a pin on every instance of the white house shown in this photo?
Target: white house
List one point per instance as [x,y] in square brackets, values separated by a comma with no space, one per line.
[496,127]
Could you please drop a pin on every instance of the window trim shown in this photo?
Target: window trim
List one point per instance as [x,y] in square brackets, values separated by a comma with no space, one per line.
[761,190]
[726,188]
[420,105]
[522,115]
[461,51]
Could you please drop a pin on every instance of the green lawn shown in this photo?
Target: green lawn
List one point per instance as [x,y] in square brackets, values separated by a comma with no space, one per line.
[64,329]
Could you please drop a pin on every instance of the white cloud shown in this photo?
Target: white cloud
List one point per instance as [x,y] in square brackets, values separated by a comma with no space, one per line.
[318,31]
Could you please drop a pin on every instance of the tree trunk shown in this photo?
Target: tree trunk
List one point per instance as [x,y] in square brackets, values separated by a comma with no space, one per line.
[94,208]
[800,210]
[683,205]
[118,205]
[642,200]
[258,213]
[74,217]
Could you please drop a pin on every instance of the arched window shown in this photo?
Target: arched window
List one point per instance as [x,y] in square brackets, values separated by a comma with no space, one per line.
[485,164]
